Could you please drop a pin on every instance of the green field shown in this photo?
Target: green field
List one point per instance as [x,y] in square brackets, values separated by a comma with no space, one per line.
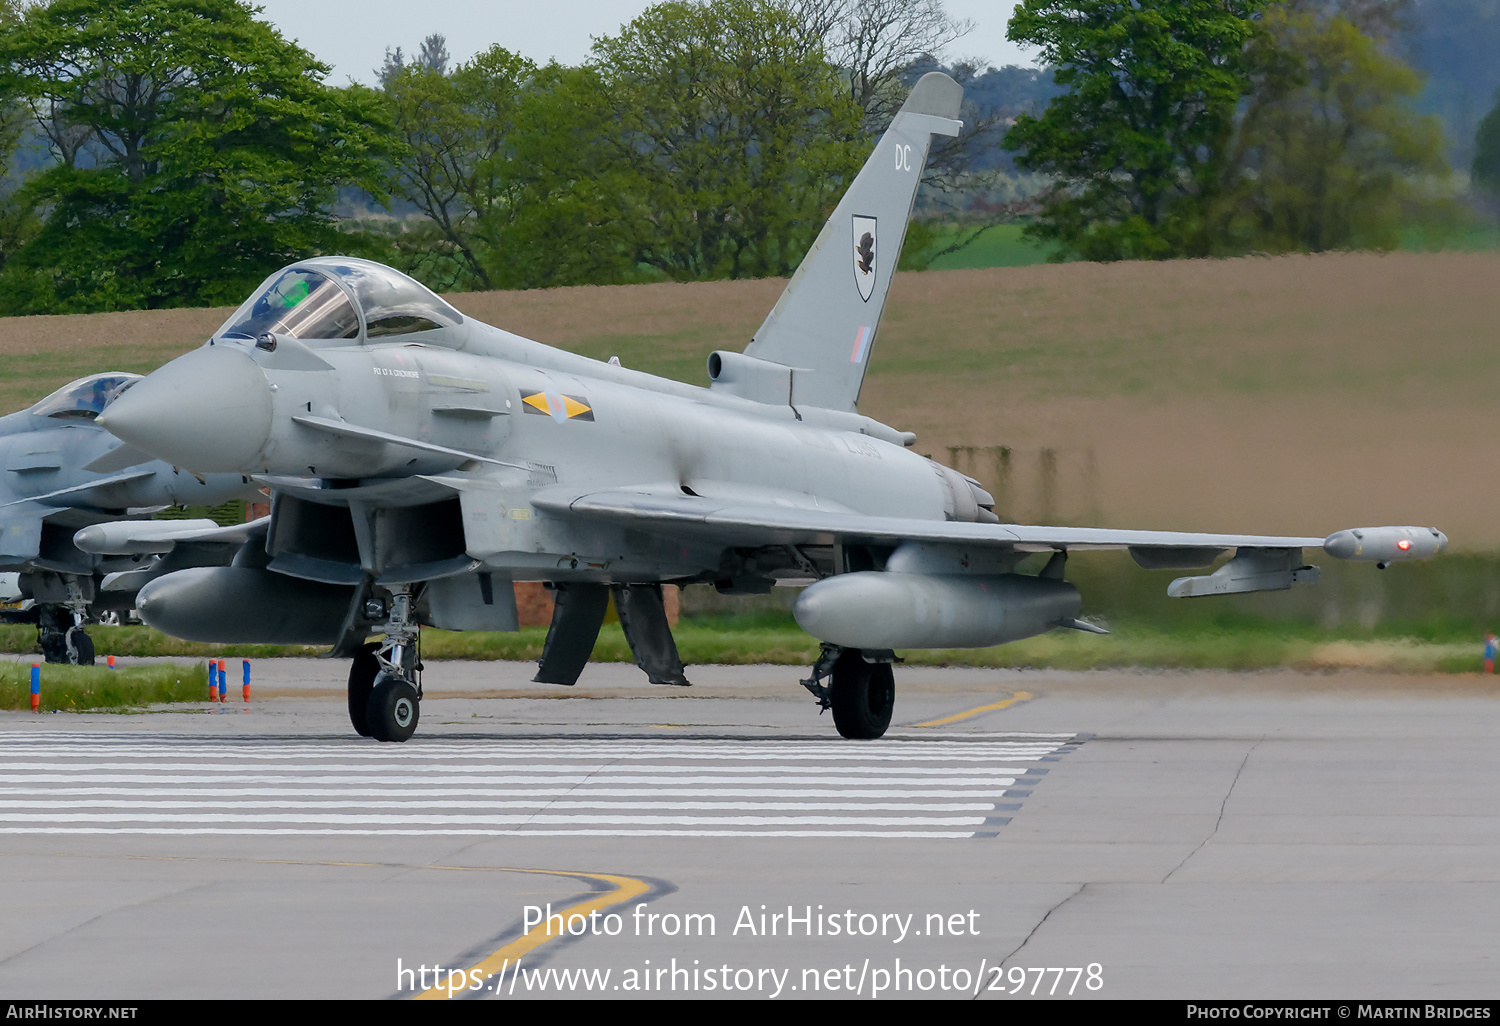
[998,245]
[1473,237]
[1248,645]
[79,688]
[1423,617]
[1130,645]
[1002,245]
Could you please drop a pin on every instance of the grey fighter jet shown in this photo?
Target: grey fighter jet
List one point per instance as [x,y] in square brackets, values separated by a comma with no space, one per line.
[52,485]
[420,461]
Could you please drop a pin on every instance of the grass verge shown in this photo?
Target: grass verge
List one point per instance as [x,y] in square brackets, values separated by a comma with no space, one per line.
[761,639]
[1205,650]
[144,641]
[76,688]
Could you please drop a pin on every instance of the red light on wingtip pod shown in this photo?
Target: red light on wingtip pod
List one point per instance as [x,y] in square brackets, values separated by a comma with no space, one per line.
[1404,544]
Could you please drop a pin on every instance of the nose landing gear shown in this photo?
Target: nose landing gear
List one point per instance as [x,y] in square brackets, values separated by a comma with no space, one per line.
[385,693]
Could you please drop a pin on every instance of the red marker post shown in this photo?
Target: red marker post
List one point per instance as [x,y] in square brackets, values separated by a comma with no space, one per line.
[111,662]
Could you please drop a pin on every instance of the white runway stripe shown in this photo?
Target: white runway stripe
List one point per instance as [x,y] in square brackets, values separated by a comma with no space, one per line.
[512,824]
[355,748]
[832,756]
[213,795]
[999,778]
[432,832]
[221,768]
[553,804]
[566,786]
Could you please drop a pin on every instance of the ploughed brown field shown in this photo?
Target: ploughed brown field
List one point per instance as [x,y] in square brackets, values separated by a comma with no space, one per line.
[1287,395]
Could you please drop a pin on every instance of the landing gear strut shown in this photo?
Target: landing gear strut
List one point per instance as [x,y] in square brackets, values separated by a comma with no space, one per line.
[861,693]
[60,630]
[79,646]
[385,695]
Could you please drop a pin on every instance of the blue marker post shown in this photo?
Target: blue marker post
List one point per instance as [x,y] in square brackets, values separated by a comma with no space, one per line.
[212,689]
[223,682]
[245,690]
[36,687]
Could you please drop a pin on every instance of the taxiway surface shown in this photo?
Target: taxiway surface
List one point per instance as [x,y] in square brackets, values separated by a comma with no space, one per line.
[1178,835]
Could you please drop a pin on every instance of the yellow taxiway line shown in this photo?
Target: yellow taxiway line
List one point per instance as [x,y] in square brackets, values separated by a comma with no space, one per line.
[626,888]
[1019,696]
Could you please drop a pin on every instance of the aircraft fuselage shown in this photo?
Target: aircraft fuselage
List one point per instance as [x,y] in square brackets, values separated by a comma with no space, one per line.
[538,420]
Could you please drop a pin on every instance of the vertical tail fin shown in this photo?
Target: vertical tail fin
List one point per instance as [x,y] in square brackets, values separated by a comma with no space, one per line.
[823,326]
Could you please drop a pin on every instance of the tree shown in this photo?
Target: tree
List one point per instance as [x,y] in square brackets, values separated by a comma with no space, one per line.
[735,137]
[505,160]
[1454,43]
[567,223]
[432,55]
[1139,140]
[1329,155]
[456,131]
[704,141]
[1384,21]
[18,221]
[1486,168]
[874,42]
[881,47]
[194,149]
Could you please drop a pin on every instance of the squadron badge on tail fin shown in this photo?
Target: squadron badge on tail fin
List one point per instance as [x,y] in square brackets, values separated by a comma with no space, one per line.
[865,267]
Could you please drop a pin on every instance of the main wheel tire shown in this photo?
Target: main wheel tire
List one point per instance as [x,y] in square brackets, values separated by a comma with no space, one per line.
[863,696]
[81,645]
[54,648]
[361,681]
[393,710]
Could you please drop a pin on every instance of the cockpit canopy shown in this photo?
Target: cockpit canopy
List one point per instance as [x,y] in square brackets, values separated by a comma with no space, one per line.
[85,398]
[340,298]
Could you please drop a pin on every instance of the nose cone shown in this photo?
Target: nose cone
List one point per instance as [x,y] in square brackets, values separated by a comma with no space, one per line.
[207,411]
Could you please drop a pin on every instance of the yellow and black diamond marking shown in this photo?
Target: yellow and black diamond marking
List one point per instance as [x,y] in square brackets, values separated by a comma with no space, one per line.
[558,406]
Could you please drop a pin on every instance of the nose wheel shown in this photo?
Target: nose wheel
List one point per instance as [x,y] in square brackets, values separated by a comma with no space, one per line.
[385,699]
[394,708]
[362,673]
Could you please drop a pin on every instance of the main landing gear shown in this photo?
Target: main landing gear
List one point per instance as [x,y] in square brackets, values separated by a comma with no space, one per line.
[60,632]
[72,646]
[385,693]
[861,692]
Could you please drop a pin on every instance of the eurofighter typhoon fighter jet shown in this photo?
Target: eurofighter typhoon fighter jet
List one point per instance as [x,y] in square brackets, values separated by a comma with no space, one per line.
[421,461]
[60,472]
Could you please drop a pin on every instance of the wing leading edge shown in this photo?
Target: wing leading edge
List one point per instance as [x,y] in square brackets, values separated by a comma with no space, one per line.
[778,525]
[1260,563]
